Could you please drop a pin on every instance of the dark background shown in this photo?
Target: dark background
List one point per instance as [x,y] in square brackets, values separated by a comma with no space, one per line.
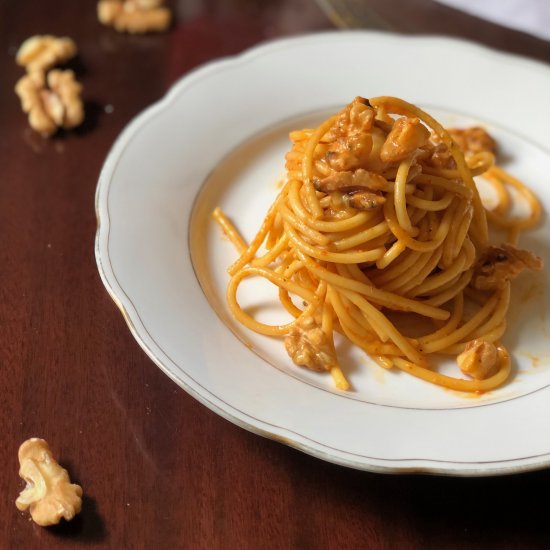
[158,469]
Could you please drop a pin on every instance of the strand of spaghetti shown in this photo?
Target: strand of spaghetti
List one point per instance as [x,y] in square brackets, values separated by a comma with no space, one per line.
[424,259]
[448,185]
[293,175]
[281,282]
[288,304]
[420,246]
[288,270]
[380,323]
[289,266]
[480,230]
[229,230]
[325,202]
[503,197]
[320,225]
[322,167]
[444,287]
[416,282]
[396,249]
[377,295]
[475,295]
[271,254]
[514,223]
[371,219]
[450,248]
[399,195]
[450,325]
[355,257]
[462,332]
[355,273]
[301,135]
[460,384]
[435,281]
[513,235]
[498,315]
[461,234]
[384,362]
[340,380]
[371,348]
[376,323]
[424,222]
[401,265]
[313,203]
[275,231]
[527,194]
[433,206]
[253,247]
[299,225]
[360,323]
[379,241]
[449,293]
[303,277]
[362,237]
[477,164]
[353,330]
[389,185]
[493,336]
[353,317]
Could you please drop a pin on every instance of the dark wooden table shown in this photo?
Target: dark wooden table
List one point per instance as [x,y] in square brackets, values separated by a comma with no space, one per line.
[158,469]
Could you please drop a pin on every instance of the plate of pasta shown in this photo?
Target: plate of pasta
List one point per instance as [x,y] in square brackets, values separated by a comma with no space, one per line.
[350,260]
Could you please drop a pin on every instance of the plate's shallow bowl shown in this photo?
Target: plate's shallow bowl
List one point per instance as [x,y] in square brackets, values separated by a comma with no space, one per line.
[219,138]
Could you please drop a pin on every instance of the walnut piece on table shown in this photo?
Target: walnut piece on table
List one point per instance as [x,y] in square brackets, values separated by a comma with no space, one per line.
[134,16]
[51,101]
[49,493]
[42,52]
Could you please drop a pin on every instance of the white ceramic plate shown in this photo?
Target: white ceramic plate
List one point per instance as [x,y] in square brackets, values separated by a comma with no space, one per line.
[219,138]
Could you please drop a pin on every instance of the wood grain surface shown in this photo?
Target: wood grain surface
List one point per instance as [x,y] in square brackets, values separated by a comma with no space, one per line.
[158,469]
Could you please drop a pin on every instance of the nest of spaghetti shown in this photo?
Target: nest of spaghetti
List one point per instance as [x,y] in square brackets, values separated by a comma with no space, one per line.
[379,234]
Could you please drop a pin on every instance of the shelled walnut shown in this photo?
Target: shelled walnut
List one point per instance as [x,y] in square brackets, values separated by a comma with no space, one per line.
[134,16]
[479,359]
[308,346]
[473,140]
[49,493]
[42,52]
[496,265]
[51,101]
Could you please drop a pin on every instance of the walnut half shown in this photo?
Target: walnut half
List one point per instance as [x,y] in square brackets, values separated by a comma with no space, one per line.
[473,140]
[361,189]
[49,493]
[42,52]
[498,264]
[308,346]
[134,16]
[478,360]
[406,136]
[51,102]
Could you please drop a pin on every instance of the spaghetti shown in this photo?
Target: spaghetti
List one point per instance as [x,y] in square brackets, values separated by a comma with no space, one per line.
[380,219]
